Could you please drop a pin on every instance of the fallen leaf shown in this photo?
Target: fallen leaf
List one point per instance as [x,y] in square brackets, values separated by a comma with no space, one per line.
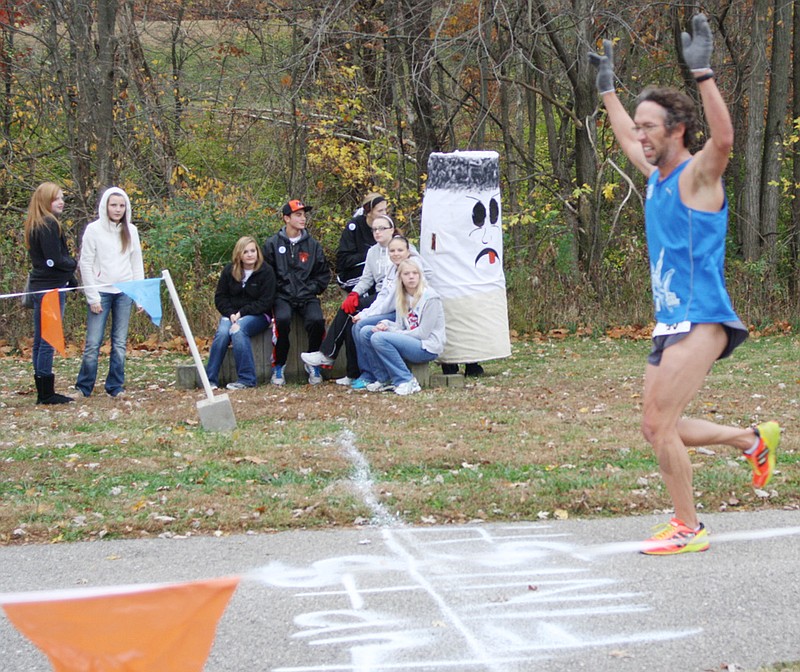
[250,458]
[618,653]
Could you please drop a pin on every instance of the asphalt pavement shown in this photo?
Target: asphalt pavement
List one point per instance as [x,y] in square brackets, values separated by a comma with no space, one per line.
[544,595]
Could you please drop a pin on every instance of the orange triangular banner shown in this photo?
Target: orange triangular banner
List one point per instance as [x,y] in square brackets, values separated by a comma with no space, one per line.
[163,627]
[52,329]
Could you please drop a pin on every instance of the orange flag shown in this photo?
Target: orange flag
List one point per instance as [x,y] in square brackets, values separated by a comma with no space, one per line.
[52,329]
[126,629]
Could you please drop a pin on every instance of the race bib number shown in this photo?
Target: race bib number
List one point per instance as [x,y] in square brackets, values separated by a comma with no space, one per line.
[662,329]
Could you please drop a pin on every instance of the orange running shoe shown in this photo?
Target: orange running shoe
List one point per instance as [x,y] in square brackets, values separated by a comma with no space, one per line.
[762,457]
[675,537]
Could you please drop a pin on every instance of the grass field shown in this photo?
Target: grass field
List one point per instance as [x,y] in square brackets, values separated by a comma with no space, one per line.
[553,431]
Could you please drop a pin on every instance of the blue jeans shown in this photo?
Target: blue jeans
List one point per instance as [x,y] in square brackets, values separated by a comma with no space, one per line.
[118,307]
[249,326]
[42,350]
[360,331]
[390,350]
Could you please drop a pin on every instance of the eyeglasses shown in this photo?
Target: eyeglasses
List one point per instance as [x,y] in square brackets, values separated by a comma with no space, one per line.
[375,229]
[647,129]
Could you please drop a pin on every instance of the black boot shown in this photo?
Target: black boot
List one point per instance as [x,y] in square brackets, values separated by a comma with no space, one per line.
[473,369]
[449,369]
[39,396]
[45,386]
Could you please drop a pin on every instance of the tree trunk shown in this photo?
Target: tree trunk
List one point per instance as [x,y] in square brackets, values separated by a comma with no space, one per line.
[557,148]
[506,93]
[734,84]
[296,184]
[754,142]
[106,77]
[411,30]
[590,243]
[794,229]
[774,133]
[6,108]
[178,37]
[163,154]
[75,83]
[485,19]
[396,82]
[532,117]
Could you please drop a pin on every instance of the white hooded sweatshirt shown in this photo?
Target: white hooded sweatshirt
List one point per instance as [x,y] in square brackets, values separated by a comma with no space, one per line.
[103,261]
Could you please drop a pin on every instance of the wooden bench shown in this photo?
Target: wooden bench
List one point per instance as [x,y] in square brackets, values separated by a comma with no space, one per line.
[294,371]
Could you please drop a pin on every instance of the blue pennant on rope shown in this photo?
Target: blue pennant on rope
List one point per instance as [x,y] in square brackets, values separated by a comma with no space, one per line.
[147,294]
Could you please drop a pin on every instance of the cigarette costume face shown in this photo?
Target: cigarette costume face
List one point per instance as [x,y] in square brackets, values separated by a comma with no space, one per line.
[462,241]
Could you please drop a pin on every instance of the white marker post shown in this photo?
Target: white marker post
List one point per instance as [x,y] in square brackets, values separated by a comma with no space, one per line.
[216,413]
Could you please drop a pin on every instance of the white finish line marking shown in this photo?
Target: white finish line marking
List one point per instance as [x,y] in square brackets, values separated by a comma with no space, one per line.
[464,597]
[415,607]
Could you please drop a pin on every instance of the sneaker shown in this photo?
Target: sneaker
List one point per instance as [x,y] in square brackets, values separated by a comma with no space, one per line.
[359,384]
[675,537]
[409,387]
[762,457]
[388,386]
[377,386]
[316,359]
[277,375]
[314,376]
[345,380]
[213,386]
[236,386]
[116,394]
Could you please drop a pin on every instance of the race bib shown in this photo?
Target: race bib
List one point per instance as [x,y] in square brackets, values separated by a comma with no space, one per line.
[662,329]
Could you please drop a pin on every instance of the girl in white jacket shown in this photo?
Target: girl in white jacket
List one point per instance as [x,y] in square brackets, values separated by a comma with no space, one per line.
[110,253]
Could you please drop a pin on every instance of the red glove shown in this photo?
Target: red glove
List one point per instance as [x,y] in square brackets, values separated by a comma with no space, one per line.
[350,304]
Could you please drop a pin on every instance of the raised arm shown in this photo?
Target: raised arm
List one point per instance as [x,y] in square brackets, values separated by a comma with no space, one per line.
[621,122]
[711,161]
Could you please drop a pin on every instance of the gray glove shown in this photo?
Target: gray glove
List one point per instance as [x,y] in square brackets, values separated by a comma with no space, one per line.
[605,68]
[697,47]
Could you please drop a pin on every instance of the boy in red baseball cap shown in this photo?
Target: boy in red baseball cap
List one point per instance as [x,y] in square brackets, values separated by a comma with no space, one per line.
[302,274]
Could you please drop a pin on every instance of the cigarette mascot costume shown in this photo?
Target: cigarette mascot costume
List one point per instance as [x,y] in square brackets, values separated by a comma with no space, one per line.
[462,241]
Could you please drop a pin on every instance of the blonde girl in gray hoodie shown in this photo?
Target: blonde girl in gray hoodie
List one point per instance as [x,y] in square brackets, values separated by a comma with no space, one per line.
[110,253]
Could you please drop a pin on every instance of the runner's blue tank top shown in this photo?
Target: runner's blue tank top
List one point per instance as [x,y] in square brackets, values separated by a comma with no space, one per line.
[687,255]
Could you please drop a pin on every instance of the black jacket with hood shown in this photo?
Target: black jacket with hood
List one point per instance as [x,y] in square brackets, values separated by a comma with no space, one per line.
[356,239]
[301,270]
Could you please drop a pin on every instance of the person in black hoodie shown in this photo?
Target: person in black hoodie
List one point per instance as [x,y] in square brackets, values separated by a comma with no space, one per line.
[244,297]
[356,240]
[53,268]
[302,273]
